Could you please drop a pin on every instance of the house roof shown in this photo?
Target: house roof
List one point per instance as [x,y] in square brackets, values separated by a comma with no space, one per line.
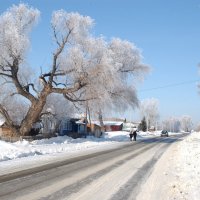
[111,123]
[80,122]
[94,123]
[107,123]
[131,124]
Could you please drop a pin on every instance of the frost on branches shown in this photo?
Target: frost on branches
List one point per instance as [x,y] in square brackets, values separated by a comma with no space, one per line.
[149,110]
[83,67]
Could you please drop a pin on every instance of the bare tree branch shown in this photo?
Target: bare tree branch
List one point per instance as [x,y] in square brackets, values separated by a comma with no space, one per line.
[7,75]
[76,87]
[33,87]
[57,84]
[55,36]
[46,113]
[21,90]
[58,52]
[75,99]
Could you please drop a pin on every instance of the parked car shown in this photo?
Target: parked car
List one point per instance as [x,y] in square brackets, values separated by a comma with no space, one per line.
[164,133]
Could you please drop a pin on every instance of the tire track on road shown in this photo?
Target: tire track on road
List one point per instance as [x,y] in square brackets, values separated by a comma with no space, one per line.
[132,187]
[76,187]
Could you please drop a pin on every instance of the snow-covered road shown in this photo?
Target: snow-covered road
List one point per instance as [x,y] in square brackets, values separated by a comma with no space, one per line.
[176,175]
[117,174]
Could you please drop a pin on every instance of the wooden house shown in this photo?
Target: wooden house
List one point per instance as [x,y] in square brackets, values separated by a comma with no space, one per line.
[94,128]
[73,127]
[113,126]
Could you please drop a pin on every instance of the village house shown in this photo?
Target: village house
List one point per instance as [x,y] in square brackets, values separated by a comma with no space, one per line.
[73,127]
[113,125]
[94,129]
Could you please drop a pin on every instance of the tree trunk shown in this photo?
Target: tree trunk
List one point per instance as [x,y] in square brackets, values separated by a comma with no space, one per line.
[14,131]
[89,117]
[34,113]
[101,121]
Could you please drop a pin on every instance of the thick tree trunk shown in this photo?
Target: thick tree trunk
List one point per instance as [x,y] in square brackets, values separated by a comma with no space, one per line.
[34,113]
[14,131]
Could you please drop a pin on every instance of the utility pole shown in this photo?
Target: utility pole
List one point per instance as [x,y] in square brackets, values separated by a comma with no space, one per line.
[86,119]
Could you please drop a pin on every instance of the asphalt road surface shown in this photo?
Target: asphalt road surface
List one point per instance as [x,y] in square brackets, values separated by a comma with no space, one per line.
[114,174]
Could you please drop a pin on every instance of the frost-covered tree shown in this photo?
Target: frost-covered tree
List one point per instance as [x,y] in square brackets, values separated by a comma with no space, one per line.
[186,123]
[83,67]
[121,93]
[197,128]
[149,109]
[172,124]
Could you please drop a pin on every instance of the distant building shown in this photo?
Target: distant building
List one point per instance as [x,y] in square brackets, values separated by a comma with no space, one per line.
[152,128]
[128,125]
[113,126]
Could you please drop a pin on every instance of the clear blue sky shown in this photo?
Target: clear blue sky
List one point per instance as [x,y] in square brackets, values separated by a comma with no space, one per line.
[167,32]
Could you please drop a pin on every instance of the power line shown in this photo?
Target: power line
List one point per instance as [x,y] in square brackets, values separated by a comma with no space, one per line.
[170,85]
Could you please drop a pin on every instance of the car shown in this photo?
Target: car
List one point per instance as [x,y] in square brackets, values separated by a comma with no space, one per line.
[164,133]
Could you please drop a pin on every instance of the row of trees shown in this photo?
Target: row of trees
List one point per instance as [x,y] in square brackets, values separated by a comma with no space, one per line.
[172,124]
[149,109]
[86,71]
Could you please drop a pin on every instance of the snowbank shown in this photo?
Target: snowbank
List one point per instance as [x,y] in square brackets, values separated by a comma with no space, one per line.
[61,144]
[187,168]
[177,174]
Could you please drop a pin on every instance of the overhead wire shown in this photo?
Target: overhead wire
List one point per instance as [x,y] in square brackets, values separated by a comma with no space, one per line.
[169,85]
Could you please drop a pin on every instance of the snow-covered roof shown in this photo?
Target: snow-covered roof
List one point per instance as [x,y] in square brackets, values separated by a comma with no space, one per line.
[78,115]
[80,122]
[96,123]
[110,123]
[130,125]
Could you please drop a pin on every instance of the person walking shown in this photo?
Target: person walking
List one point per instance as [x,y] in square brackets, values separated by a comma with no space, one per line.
[135,134]
[131,135]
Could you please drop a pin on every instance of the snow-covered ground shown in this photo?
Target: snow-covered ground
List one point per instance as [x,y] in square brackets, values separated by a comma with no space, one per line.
[177,174]
[55,145]
[186,168]
[178,170]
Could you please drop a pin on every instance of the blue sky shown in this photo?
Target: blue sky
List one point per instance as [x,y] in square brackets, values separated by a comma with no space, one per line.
[166,31]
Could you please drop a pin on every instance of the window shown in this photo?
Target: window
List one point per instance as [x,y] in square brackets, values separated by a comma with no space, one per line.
[68,125]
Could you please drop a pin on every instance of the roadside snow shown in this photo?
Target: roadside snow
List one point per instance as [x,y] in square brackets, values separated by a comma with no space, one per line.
[61,144]
[187,169]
